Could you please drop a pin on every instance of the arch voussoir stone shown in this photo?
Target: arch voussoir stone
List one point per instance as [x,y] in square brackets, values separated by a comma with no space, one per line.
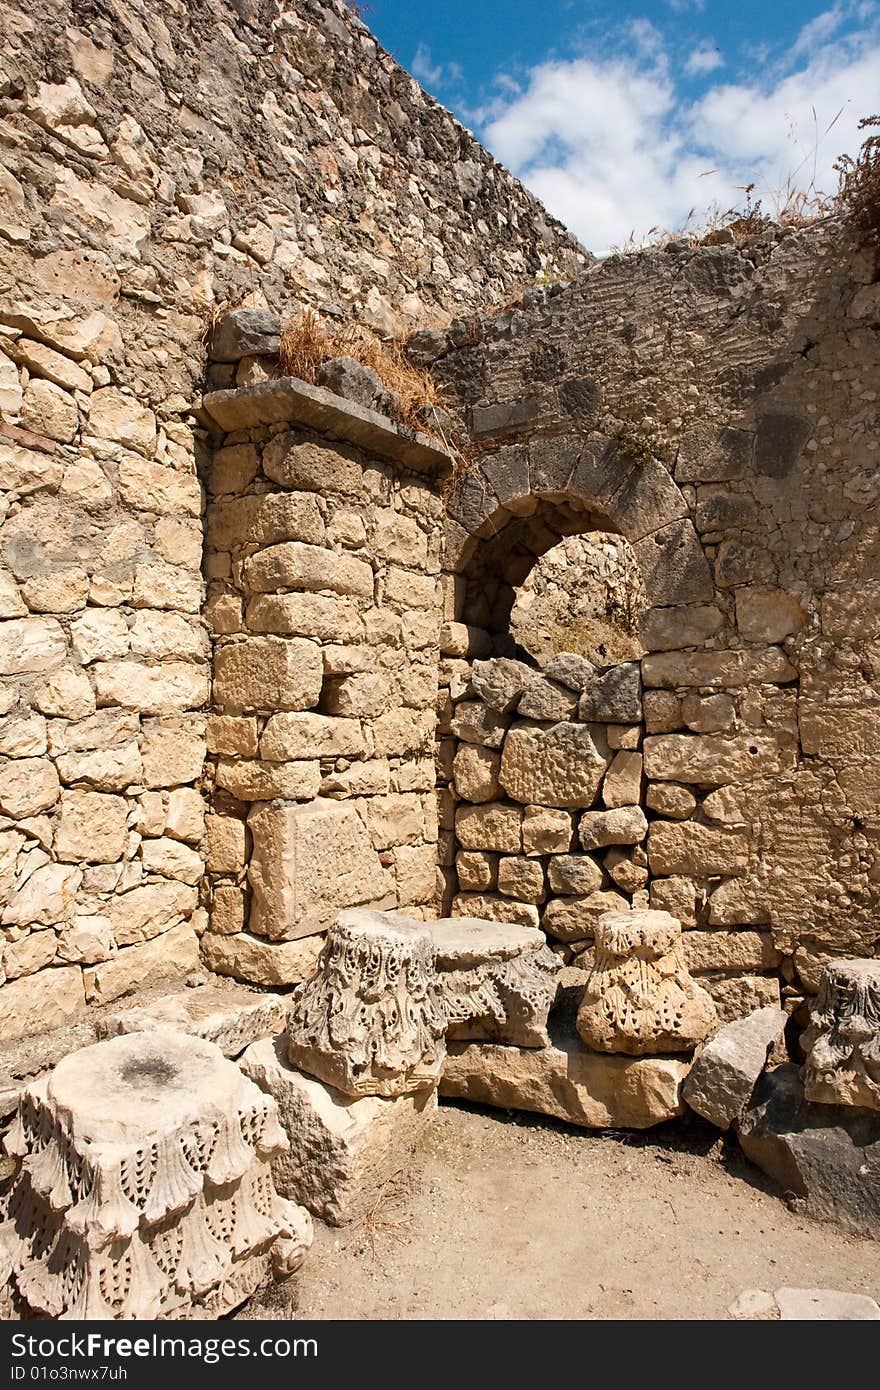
[473,501]
[646,500]
[552,462]
[673,565]
[507,473]
[637,498]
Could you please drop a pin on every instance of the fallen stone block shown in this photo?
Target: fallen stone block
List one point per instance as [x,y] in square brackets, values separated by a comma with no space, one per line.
[720,1083]
[497,980]
[343,1150]
[754,1305]
[802,1305]
[824,1305]
[828,1156]
[231,1019]
[309,861]
[567,1081]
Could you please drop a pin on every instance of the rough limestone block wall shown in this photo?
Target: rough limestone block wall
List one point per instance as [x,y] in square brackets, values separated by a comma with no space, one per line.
[157,161]
[323,597]
[747,377]
[547,819]
[104,658]
[193,153]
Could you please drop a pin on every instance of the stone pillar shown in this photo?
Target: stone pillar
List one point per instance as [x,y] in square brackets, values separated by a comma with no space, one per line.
[145,1188]
[371,1021]
[639,996]
[842,1042]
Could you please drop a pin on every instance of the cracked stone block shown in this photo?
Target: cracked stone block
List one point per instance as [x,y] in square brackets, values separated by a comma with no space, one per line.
[343,1149]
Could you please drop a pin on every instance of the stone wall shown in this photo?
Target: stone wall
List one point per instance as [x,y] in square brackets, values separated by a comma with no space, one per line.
[104,663]
[323,562]
[735,389]
[555,804]
[157,162]
[585,596]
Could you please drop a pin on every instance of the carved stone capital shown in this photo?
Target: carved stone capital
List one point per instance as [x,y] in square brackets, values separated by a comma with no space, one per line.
[497,980]
[371,1020]
[640,997]
[145,1189]
[842,1042]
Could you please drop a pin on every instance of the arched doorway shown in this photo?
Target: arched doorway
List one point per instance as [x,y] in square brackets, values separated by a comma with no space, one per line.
[581,786]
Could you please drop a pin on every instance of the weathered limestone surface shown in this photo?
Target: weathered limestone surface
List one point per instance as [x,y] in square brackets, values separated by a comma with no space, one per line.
[371,1020]
[343,1150]
[324,724]
[262,962]
[568,1081]
[803,1305]
[639,996]
[131,209]
[842,1042]
[497,981]
[747,499]
[719,1085]
[736,465]
[307,863]
[559,766]
[145,1188]
[231,1019]
[55,998]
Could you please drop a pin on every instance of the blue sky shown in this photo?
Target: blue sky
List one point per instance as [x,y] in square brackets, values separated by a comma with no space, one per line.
[625,117]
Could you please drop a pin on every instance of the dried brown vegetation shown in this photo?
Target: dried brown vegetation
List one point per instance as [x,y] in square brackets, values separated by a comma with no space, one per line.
[309,342]
[858,196]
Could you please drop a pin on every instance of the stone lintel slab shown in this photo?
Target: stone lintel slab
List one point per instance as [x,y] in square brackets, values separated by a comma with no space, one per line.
[567,1081]
[290,401]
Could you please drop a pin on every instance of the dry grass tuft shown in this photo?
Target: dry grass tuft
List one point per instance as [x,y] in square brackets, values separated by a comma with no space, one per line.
[385,1219]
[309,342]
[787,205]
[858,195]
[304,346]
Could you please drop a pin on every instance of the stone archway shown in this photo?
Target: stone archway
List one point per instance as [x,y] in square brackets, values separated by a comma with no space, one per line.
[569,791]
[519,501]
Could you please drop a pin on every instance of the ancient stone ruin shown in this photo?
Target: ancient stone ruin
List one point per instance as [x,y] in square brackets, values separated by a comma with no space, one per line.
[144,1189]
[301,824]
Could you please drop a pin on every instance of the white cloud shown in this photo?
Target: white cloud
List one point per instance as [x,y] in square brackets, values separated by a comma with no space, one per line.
[612,147]
[646,40]
[422,67]
[818,31]
[705,58]
[434,75]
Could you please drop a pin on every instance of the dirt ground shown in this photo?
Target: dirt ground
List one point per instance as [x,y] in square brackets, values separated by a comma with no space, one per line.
[515,1217]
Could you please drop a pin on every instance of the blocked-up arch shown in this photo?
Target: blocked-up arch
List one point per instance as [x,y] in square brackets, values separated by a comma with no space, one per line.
[516,503]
